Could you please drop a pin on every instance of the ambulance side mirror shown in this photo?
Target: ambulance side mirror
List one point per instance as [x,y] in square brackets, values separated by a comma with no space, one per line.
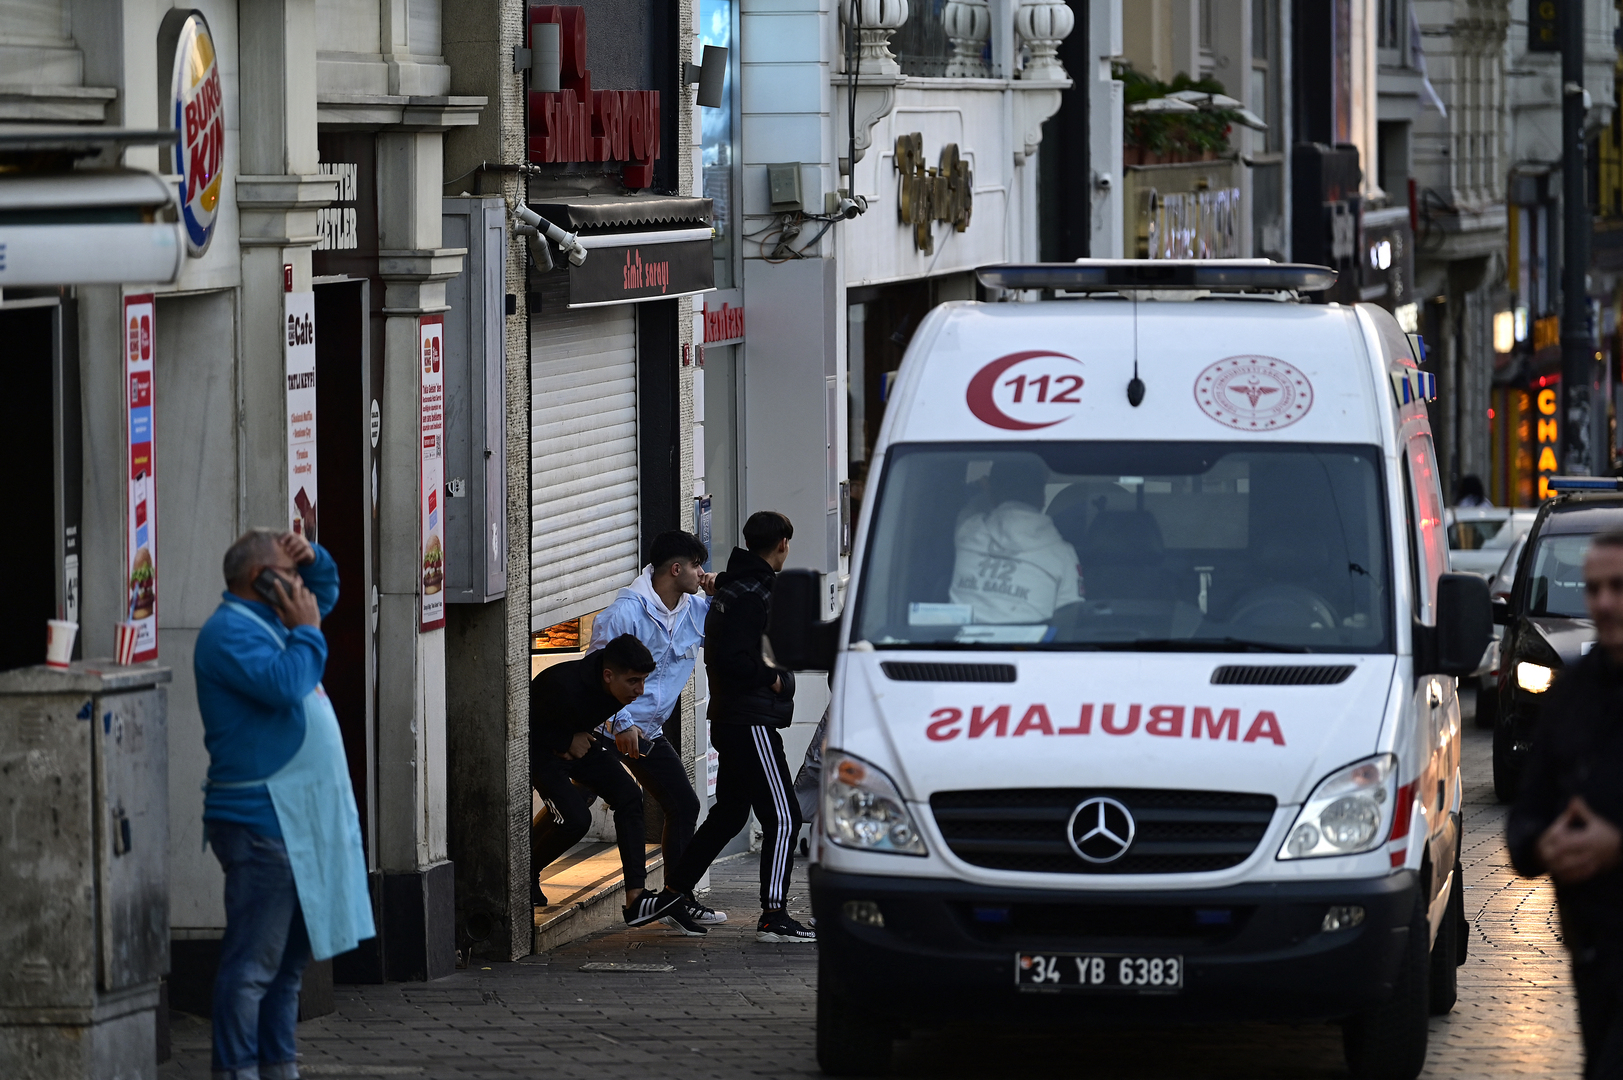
[1464,627]
[801,640]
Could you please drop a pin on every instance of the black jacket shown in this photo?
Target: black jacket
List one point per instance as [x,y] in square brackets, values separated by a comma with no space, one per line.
[1578,750]
[566,699]
[740,678]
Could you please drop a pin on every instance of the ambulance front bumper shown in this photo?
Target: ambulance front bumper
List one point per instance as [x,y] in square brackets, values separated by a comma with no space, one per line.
[948,950]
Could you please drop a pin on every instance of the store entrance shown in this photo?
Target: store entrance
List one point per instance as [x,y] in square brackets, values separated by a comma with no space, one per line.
[344,528]
[28,336]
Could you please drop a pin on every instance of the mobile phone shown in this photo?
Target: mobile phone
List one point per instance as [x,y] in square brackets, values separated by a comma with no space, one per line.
[265,585]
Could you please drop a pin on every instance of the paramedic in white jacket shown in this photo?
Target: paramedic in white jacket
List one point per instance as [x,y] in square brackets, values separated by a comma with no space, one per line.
[1012,565]
[665,609]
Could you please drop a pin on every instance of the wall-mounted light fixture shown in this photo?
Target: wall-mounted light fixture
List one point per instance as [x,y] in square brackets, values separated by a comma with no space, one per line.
[709,75]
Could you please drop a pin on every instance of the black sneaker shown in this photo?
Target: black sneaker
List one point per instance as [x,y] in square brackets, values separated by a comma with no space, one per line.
[778,926]
[537,897]
[703,914]
[680,918]
[650,906]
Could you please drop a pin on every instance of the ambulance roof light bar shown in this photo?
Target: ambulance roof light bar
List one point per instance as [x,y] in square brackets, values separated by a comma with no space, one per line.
[1586,483]
[1114,275]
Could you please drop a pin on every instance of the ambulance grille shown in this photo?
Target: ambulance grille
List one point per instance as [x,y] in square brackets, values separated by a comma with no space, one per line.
[1281,674]
[1177,832]
[909,671]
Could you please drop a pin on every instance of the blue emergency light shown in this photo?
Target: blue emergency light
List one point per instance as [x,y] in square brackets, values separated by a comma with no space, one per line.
[1111,275]
[1586,483]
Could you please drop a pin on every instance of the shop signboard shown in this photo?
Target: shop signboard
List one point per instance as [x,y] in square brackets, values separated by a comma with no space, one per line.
[431,497]
[1547,403]
[625,275]
[197,114]
[301,412]
[141,493]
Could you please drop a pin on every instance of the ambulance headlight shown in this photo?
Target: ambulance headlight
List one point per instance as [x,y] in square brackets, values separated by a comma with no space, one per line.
[1349,812]
[862,808]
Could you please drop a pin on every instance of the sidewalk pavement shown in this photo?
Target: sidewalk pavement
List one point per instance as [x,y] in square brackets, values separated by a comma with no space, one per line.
[731,1007]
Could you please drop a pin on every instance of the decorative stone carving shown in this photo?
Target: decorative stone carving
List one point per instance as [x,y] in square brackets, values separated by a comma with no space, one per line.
[1042,25]
[876,21]
[969,26]
[876,98]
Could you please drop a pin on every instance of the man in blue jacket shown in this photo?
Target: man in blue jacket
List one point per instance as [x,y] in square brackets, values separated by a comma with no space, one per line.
[665,609]
[279,810]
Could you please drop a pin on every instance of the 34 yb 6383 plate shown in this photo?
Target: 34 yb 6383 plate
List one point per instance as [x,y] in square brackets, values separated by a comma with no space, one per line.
[1098,973]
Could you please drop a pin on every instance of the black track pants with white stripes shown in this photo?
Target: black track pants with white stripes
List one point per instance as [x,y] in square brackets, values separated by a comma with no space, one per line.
[751,773]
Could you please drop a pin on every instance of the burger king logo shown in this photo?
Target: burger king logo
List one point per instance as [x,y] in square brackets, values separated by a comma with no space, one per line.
[199,117]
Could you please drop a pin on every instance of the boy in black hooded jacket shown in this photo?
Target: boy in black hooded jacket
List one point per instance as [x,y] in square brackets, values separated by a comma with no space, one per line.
[749,702]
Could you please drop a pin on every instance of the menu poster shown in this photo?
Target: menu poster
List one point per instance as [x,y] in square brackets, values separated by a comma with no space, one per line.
[431,401]
[141,495]
[301,413]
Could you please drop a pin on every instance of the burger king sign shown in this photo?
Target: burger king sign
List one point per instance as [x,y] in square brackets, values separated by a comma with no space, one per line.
[198,115]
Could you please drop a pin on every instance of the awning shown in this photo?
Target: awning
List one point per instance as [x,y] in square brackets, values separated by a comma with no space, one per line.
[87,227]
[598,212]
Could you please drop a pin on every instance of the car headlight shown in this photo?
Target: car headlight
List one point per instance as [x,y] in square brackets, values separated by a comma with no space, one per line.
[1534,678]
[1347,813]
[862,808]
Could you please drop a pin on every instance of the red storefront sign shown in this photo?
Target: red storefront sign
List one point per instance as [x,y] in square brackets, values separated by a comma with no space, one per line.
[581,124]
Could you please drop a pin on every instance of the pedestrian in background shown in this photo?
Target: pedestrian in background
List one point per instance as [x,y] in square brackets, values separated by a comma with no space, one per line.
[750,702]
[1472,493]
[567,702]
[279,809]
[1567,815]
[665,610]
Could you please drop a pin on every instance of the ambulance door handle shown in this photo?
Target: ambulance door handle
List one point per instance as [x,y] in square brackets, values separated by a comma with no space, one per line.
[1434,694]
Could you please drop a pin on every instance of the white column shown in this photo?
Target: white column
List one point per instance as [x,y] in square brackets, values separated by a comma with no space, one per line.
[1105,127]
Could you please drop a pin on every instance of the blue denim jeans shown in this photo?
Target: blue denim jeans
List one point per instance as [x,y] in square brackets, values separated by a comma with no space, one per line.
[262,958]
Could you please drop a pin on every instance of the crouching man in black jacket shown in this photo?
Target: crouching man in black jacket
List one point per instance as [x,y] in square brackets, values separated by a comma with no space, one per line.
[1567,816]
[749,702]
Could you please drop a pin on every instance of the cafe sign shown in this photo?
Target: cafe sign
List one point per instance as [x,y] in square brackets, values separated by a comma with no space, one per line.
[197,113]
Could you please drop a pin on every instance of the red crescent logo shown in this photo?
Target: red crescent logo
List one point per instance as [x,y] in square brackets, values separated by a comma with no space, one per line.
[979,394]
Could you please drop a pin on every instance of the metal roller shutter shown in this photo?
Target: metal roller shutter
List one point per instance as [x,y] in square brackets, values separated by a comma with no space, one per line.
[583,460]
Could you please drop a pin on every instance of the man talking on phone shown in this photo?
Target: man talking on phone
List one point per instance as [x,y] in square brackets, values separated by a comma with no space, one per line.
[279,810]
[665,609]
[1569,812]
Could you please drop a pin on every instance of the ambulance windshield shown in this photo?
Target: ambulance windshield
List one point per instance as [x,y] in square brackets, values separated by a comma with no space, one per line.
[1129,545]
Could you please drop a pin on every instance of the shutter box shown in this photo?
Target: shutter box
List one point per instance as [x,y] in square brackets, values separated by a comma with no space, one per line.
[475,402]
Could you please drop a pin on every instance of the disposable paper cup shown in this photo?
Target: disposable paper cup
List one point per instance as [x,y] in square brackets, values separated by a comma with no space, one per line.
[124,642]
[59,635]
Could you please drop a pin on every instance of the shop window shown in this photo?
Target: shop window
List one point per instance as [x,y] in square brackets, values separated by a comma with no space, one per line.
[716,128]
[560,642]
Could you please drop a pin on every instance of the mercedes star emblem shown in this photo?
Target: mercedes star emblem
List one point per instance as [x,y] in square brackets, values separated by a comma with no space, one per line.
[1101,830]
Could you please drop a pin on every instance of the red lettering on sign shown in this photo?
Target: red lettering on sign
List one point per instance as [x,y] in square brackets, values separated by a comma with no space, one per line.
[1165,720]
[1084,723]
[1036,719]
[1214,729]
[1107,720]
[578,123]
[978,723]
[945,724]
[1265,726]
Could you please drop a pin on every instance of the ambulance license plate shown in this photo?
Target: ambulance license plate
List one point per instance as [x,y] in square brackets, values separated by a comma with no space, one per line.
[1098,972]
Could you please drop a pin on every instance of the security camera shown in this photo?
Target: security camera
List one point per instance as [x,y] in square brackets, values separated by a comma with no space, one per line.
[846,206]
[1102,181]
[568,241]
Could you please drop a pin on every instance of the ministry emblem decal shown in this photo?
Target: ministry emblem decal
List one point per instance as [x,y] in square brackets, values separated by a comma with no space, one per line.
[1253,393]
[1101,830]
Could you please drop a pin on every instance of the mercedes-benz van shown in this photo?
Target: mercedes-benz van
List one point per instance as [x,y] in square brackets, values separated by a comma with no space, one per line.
[1144,687]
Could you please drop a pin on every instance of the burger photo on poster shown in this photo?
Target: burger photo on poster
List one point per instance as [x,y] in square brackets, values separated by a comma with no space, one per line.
[142,597]
[433,566]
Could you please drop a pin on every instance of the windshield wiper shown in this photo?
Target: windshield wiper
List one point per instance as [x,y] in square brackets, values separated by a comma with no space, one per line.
[1203,644]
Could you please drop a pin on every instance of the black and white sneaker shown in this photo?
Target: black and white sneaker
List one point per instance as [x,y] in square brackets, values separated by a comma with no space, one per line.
[650,906]
[706,916]
[680,918]
[778,926]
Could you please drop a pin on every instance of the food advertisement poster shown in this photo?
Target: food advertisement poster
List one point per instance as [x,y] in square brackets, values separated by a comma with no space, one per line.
[141,498]
[301,413]
[431,399]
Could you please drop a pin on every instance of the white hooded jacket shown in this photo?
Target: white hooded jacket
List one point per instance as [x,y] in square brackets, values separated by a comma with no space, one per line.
[673,637]
[1013,566]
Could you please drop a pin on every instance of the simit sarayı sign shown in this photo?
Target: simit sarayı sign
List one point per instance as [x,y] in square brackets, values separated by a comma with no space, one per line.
[197,112]
[581,124]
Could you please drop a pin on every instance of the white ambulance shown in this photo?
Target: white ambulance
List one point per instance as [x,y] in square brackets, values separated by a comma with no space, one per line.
[1144,688]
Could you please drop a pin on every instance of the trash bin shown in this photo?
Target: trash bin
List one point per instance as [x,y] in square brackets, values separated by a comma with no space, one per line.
[84,870]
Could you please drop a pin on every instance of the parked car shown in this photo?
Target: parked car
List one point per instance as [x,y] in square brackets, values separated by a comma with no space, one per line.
[1479,536]
[1546,622]
[1144,698]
